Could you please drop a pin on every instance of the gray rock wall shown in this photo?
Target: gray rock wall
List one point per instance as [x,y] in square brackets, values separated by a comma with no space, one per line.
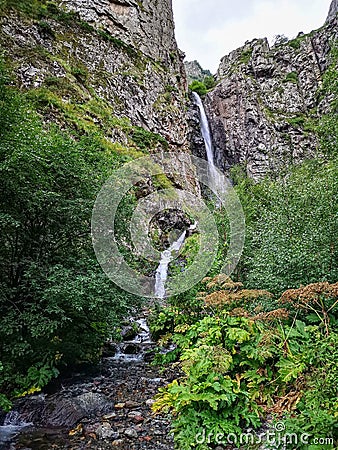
[333,11]
[129,59]
[262,108]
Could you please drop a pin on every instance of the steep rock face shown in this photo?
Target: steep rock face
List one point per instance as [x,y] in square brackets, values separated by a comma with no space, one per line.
[121,55]
[195,72]
[333,11]
[147,25]
[261,110]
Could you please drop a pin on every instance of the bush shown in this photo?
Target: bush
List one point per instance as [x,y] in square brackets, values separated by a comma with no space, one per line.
[56,306]
[198,87]
[239,369]
[291,228]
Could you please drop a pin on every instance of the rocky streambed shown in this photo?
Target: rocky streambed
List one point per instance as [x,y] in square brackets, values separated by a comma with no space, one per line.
[111,408]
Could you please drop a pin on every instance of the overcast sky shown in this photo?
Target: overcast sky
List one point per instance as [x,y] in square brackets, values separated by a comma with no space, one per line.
[206,30]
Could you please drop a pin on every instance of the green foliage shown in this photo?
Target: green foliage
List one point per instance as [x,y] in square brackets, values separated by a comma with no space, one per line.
[291,228]
[246,56]
[317,409]
[147,140]
[239,370]
[209,82]
[280,39]
[291,77]
[56,306]
[199,87]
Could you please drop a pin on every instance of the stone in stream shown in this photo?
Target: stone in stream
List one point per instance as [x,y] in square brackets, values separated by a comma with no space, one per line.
[132,405]
[58,411]
[131,349]
[105,431]
[131,433]
[109,350]
[130,332]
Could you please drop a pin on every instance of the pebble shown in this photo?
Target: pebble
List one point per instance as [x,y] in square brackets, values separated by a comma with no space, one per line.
[131,433]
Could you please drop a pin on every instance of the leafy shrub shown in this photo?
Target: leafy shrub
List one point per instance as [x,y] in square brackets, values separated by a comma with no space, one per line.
[291,77]
[291,228]
[239,370]
[198,87]
[56,306]
[209,82]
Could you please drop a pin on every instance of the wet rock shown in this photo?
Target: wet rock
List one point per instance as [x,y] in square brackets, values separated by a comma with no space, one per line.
[109,350]
[105,431]
[131,349]
[129,332]
[131,433]
[333,11]
[131,405]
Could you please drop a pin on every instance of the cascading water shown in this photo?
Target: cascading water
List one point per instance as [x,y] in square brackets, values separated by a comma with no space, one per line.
[206,134]
[13,424]
[162,270]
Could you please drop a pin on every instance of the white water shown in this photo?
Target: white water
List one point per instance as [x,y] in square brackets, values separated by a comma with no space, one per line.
[162,270]
[142,339]
[205,129]
[11,427]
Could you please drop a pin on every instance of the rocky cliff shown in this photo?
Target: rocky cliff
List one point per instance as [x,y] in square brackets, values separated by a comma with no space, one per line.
[264,105]
[83,61]
[195,71]
[333,11]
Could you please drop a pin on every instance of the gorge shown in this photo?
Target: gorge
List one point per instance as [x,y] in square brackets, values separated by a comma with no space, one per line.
[88,87]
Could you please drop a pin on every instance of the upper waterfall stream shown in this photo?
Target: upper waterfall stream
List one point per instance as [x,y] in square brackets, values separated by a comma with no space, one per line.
[206,134]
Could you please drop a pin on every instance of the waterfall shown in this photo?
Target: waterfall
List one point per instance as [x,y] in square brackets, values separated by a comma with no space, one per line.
[162,270]
[206,134]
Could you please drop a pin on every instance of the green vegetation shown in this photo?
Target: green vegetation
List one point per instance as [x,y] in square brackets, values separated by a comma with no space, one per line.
[43,10]
[263,346]
[57,307]
[199,87]
[246,56]
[146,140]
[291,77]
[202,87]
[242,361]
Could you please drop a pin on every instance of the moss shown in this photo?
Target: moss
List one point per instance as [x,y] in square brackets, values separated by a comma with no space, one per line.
[296,43]
[161,181]
[245,56]
[145,139]
[305,122]
[291,77]
[80,73]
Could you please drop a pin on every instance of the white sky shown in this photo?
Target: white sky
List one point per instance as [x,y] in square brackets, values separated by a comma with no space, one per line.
[206,30]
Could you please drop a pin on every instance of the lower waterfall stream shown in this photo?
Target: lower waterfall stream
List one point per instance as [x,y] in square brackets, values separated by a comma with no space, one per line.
[109,408]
